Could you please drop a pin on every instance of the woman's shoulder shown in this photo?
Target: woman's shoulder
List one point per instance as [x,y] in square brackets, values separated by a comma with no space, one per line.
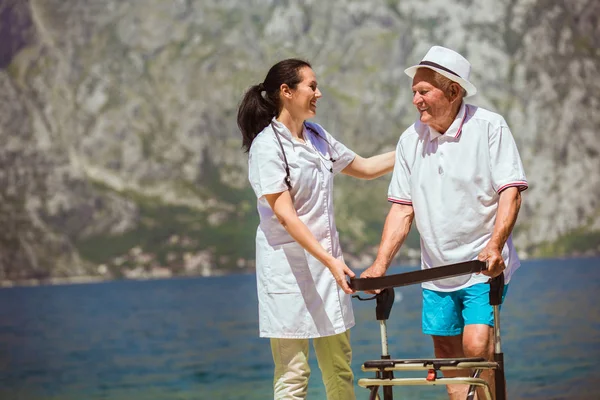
[265,142]
[264,137]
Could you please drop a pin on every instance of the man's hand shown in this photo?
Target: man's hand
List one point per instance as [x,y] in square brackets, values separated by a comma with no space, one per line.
[508,208]
[339,270]
[492,255]
[374,271]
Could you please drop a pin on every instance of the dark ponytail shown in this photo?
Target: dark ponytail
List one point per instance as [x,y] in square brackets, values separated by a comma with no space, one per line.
[261,102]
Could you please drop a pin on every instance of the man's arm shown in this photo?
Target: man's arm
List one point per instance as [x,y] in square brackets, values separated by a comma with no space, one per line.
[396,228]
[506,216]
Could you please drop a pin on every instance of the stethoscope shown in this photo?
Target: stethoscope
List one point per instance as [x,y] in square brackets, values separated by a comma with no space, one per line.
[322,158]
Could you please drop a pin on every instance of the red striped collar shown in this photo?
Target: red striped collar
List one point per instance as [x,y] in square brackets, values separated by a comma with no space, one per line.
[455,129]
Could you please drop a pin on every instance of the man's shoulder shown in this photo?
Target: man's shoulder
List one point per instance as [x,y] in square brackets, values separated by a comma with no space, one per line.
[412,133]
[481,114]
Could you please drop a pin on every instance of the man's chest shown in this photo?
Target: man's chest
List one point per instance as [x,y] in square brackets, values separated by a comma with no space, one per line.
[451,164]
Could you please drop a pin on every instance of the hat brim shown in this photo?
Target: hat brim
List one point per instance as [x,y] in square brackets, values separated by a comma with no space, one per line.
[468,86]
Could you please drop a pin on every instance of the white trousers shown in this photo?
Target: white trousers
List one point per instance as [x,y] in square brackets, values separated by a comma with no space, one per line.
[334,355]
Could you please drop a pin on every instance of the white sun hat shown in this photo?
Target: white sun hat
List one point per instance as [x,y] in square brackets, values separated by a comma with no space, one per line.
[449,64]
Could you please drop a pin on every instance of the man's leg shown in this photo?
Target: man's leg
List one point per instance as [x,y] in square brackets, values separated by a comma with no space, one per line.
[451,347]
[478,342]
[478,336]
[291,375]
[334,355]
[442,319]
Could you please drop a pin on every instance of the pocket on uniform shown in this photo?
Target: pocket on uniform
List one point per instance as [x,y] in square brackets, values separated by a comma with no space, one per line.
[288,269]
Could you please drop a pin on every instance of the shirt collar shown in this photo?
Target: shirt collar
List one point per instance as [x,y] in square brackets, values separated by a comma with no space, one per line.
[282,130]
[455,129]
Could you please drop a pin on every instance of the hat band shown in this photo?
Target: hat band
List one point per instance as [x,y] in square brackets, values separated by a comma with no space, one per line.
[432,64]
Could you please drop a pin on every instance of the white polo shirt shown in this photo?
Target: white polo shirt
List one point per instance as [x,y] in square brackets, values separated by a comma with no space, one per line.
[298,296]
[453,181]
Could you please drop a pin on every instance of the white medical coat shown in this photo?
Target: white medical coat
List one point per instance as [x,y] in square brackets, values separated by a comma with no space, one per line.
[298,296]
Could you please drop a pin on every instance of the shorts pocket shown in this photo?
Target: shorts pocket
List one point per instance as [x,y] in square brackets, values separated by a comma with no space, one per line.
[287,269]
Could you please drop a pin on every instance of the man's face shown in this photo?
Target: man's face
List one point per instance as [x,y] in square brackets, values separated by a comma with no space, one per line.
[434,106]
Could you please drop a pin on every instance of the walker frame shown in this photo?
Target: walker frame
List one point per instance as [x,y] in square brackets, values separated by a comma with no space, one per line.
[385,367]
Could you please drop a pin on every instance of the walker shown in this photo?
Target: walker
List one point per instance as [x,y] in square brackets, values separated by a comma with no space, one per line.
[384,368]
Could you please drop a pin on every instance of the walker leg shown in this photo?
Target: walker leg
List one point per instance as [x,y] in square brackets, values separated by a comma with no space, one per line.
[473,389]
[496,290]
[388,393]
[374,395]
[499,377]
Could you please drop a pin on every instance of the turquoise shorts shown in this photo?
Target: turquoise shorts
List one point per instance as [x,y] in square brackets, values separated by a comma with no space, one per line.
[447,313]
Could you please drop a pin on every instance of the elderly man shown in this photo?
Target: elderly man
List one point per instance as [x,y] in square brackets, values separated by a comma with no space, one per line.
[458,172]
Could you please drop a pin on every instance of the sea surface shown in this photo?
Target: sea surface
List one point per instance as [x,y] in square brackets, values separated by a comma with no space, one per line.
[196,338]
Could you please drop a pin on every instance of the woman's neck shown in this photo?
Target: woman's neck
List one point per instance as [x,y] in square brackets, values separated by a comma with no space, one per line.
[294,125]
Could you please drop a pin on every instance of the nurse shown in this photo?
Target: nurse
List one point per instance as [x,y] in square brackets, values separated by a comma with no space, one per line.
[300,270]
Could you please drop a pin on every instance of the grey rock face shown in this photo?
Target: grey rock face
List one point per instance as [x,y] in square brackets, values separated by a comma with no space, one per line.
[118,119]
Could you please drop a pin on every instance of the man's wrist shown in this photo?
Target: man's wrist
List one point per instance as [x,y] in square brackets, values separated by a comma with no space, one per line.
[496,244]
[381,265]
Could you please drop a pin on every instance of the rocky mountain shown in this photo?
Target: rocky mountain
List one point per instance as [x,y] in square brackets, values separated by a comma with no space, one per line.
[121,155]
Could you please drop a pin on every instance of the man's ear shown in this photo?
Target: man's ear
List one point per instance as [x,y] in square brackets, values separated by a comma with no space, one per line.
[455,89]
[285,90]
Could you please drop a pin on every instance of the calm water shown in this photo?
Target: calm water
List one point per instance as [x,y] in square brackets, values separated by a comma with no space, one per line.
[196,338]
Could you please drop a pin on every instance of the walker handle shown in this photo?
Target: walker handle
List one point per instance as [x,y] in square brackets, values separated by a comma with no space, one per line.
[419,276]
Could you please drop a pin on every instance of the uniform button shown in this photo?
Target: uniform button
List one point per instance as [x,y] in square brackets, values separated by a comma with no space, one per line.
[441,170]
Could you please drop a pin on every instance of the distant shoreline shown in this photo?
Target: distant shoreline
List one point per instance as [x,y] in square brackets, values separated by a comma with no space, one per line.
[72,280]
[53,281]
[83,279]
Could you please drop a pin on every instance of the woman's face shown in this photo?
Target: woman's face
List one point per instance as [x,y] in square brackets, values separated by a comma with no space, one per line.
[302,104]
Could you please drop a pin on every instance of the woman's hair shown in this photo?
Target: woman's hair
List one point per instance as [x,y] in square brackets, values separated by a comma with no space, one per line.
[257,109]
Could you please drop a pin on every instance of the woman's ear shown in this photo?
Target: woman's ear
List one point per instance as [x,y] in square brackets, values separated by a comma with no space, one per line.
[285,91]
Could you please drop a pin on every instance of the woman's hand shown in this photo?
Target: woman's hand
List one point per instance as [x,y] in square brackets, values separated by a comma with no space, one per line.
[339,270]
